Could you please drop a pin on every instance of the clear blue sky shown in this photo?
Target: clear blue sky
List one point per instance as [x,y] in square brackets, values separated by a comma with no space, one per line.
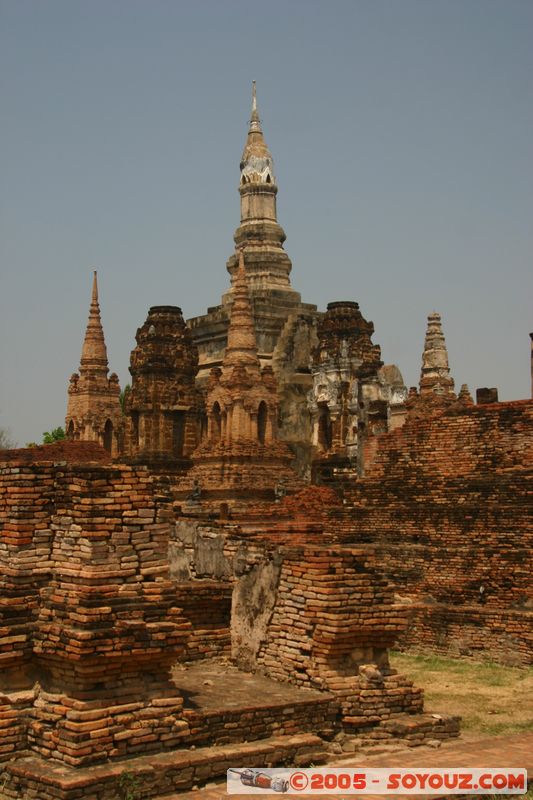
[402,138]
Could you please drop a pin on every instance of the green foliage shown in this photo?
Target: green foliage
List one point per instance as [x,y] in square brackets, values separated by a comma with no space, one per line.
[128,785]
[55,435]
[122,397]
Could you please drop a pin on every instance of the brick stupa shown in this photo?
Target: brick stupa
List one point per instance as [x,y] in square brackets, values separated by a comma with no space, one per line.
[435,375]
[241,456]
[436,392]
[93,412]
[163,406]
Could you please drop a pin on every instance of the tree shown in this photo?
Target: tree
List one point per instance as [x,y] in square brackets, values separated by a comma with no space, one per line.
[55,435]
[6,442]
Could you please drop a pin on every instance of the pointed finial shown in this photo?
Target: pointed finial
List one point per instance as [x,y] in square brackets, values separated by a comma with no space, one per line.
[240,282]
[95,287]
[255,122]
[94,353]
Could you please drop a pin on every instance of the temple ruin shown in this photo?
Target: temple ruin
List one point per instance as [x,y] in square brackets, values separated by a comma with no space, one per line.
[214,566]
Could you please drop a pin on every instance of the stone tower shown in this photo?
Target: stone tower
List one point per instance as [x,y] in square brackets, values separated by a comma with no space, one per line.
[260,235]
[163,407]
[435,374]
[353,396]
[240,458]
[93,410]
[244,395]
[268,266]
[436,391]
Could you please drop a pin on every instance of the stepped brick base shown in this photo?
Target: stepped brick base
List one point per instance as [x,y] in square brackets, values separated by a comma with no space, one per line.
[162,774]
[225,726]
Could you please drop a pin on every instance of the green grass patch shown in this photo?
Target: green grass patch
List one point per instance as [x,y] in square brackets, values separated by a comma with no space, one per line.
[493,700]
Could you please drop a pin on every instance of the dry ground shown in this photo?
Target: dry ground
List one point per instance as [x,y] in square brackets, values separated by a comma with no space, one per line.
[492,700]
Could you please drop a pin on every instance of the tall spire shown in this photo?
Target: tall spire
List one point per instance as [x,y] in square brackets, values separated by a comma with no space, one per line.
[267,264]
[241,349]
[94,298]
[435,375]
[94,353]
[93,410]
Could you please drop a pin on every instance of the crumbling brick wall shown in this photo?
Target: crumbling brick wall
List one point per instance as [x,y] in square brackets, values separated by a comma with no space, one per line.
[206,605]
[330,620]
[87,608]
[65,450]
[447,504]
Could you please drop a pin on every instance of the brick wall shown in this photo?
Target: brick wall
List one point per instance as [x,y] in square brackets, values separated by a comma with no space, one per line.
[206,605]
[73,452]
[88,608]
[333,619]
[447,503]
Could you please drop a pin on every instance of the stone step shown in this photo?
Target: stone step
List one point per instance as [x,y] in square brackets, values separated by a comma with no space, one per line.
[416,729]
[380,749]
[156,776]
[409,730]
[223,725]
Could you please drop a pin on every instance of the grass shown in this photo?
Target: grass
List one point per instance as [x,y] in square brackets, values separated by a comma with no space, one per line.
[492,700]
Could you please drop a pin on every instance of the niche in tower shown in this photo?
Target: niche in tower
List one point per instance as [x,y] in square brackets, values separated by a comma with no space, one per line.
[216,418]
[135,428]
[262,415]
[108,436]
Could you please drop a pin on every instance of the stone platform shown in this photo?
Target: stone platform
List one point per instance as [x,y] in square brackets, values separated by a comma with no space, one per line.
[224,705]
[219,685]
[231,717]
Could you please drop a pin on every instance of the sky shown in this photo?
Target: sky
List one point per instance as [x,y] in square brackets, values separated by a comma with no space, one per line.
[401,132]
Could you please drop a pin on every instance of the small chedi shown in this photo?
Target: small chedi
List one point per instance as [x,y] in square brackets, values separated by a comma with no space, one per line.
[241,455]
[436,384]
[93,412]
[354,396]
[163,416]
[213,568]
